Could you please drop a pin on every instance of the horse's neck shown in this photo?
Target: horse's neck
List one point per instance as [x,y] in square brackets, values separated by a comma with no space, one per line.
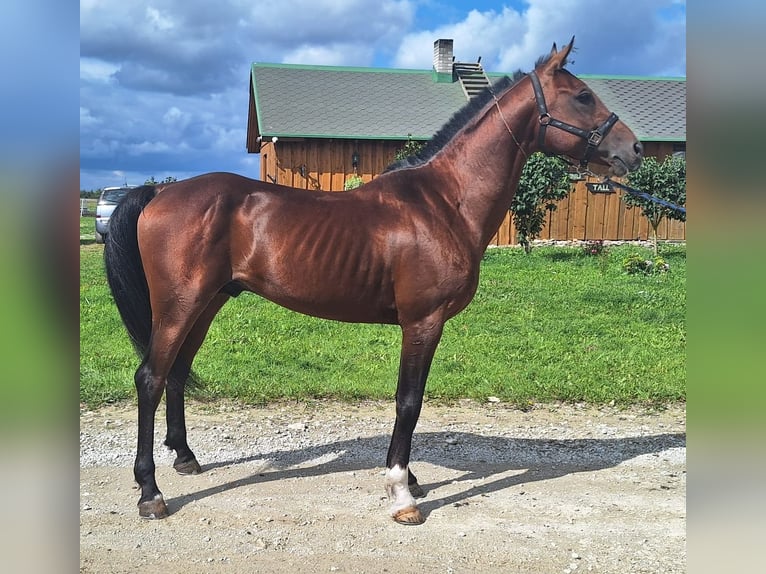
[486,166]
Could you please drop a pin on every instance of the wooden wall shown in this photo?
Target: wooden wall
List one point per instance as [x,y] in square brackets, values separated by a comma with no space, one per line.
[327,163]
[581,216]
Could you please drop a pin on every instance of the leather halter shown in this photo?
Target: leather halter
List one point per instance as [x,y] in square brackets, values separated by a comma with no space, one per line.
[593,137]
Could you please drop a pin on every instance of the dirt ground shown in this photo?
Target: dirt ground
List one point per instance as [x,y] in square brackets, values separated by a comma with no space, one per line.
[299,488]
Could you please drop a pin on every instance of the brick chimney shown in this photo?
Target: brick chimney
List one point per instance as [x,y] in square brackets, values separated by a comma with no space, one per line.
[443,57]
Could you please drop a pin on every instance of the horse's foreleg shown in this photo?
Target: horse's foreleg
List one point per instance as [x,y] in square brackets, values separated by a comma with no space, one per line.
[186,462]
[419,343]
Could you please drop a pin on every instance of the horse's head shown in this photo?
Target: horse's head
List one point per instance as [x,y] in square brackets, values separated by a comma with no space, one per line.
[575,122]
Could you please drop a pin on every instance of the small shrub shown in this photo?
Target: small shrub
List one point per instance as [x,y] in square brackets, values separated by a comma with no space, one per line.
[411,148]
[635,263]
[600,251]
[353,182]
[594,248]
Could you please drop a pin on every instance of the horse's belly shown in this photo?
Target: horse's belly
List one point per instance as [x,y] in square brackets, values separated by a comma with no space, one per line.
[355,292]
[328,301]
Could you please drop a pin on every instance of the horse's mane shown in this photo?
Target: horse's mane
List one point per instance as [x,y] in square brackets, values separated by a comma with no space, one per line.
[459,120]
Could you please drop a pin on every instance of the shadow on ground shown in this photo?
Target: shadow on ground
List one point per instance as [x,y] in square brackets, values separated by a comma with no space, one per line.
[477,456]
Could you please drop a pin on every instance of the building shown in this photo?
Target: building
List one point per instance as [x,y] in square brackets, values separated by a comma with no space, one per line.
[315,126]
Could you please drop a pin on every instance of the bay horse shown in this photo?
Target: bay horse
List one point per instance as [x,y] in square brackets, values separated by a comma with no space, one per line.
[404,249]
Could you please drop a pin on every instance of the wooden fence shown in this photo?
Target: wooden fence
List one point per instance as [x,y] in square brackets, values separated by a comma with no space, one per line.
[588,216]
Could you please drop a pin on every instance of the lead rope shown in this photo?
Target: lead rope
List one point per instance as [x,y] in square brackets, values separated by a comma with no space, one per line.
[510,131]
[631,190]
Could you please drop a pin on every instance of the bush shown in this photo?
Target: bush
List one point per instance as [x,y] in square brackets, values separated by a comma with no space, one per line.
[635,263]
[411,148]
[544,180]
[353,182]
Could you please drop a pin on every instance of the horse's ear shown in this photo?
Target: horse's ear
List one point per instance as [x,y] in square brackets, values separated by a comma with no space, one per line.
[558,59]
[567,50]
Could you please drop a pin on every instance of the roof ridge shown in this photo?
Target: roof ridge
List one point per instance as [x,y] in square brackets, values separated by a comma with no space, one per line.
[339,68]
[376,70]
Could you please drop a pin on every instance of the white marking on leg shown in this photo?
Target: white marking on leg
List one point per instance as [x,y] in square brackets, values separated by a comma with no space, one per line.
[397,489]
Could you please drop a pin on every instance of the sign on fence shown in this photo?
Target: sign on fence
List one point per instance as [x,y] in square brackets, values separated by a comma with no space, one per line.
[599,187]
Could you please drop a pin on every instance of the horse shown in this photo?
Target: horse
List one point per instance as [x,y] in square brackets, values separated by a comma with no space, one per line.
[404,249]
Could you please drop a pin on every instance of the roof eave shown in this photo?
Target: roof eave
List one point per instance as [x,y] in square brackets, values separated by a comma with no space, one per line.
[254,132]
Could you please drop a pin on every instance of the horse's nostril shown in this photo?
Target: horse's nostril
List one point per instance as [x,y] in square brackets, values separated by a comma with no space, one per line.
[638,148]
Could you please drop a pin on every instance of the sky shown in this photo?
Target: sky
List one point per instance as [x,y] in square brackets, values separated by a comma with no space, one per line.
[164,83]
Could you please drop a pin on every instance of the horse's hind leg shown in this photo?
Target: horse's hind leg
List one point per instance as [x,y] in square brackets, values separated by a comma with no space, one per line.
[175,439]
[412,483]
[186,462]
[168,336]
[149,389]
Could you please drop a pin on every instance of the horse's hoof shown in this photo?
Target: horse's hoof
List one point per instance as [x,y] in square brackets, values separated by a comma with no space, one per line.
[416,490]
[153,509]
[409,516]
[188,467]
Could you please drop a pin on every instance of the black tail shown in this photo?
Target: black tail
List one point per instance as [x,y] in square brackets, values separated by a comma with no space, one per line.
[124,269]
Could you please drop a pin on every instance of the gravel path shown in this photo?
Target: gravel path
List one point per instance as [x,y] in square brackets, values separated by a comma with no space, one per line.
[299,488]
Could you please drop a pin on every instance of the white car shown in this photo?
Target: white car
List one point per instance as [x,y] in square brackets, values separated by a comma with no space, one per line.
[110,198]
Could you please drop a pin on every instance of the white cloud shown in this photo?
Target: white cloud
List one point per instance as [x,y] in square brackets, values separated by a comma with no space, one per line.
[159,21]
[175,118]
[480,34]
[292,22]
[95,70]
[330,55]
[612,36]
[147,147]
[99,148]
[86,119]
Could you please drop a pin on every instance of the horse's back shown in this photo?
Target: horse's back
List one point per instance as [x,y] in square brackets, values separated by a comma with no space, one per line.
[210,205]
[184,195]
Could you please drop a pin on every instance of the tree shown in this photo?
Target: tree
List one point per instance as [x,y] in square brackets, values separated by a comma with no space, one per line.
[544,180]
[152,181]
[666,180]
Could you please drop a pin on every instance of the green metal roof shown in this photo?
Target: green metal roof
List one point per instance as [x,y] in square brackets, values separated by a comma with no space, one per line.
[378,103]
[359,103]
[654,108]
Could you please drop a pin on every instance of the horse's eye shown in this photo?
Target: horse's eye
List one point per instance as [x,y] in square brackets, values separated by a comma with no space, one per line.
[585,98]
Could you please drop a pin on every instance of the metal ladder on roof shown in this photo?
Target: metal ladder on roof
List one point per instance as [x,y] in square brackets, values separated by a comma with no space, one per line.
[472,78]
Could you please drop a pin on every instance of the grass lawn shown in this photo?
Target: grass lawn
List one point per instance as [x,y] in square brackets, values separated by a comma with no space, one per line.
[554,325]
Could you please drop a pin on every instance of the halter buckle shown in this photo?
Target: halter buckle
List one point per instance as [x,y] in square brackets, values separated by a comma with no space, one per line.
[545,119]
[594,138]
